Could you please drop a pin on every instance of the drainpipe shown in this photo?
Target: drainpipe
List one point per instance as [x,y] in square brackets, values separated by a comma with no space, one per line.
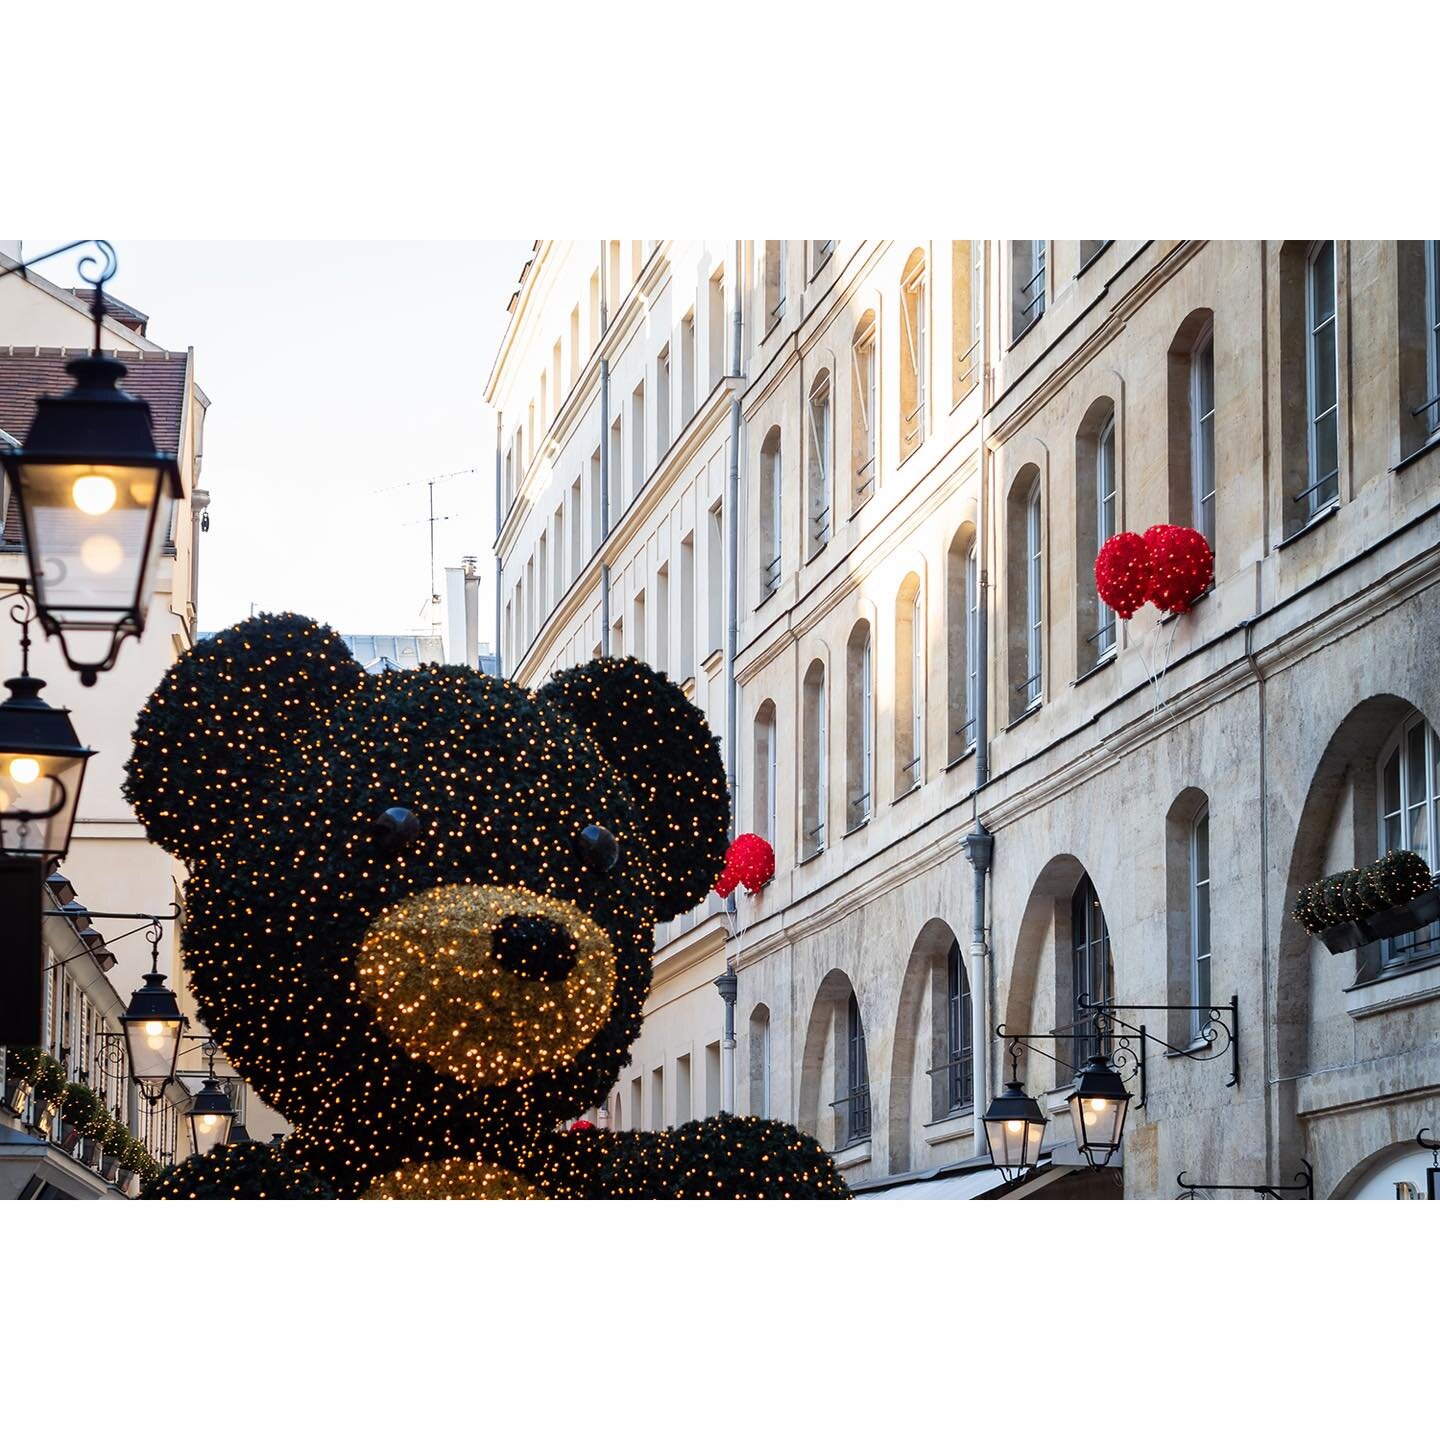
[604,459]
[980,844]
[499,518]
[728,984]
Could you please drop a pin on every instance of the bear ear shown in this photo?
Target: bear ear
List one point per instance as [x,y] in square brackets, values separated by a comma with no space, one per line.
[660,744]
[230,715]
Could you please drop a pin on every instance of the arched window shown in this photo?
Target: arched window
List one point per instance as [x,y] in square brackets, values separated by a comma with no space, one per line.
[771,480]
[1322,378]
[864,416]
[1191,422]
[1095,512]
[962,641]
[813,762]
[854,1097]
[820,464]
[1409,815]
[763,818]
[774,279]
[1025,608]
[913,341]
[960,1062]
[1417,273]
[966,295]
[859,727]
[909,686]
[760,1062]
[1091,971]
[1199,916]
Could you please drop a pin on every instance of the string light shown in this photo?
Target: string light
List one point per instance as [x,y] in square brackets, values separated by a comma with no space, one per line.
[429,1004]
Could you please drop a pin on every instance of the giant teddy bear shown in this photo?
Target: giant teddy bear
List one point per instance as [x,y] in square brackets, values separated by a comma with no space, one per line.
[419,917]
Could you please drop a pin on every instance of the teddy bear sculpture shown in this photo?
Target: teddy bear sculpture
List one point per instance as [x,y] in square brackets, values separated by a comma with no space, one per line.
[419,917]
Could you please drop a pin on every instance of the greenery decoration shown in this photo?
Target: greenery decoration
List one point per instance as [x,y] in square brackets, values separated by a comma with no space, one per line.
[1359,893]
[265,760]
[247,1171]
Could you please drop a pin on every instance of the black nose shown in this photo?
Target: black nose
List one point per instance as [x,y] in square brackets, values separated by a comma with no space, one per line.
[396,827]
[598,848]
[535,948]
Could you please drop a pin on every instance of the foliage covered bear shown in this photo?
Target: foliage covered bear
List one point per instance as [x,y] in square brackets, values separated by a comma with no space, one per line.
[420,911]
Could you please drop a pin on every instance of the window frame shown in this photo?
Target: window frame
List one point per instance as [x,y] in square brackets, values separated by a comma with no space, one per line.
[1393,954]
[972,646]
[1033,684]
[858,1119]
[864,351]
[1201,974]
[821,468]
[1202,443]
[1105,637]
[913,332]
[1022,320]
[1430,409]
[1317,494]
[959,1011]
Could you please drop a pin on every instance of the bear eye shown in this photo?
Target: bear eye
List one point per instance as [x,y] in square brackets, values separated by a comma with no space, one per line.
[598,848]
[396,828]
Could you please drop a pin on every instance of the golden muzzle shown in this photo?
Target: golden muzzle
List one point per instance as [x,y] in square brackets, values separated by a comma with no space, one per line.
[487,983]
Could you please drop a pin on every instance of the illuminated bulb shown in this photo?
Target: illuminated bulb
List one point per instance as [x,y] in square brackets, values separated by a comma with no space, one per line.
[1014,1126]
[94,494]
[1098,1105]
[101,554]
[24,770]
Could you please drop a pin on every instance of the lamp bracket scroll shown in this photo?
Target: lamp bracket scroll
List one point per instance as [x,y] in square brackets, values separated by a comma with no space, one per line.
[1304,1186]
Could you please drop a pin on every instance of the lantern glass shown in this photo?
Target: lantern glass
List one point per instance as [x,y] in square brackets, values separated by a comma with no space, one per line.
[211,1118]
[1014,1131]
[93,532]
[42,766]
[1098,1106]
[152,1023]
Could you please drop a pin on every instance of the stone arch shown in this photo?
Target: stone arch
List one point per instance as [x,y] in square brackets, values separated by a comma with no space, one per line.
[1348,758]
[824,1034]
[931,948]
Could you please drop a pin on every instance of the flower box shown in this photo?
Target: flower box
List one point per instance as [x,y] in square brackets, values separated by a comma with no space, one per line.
[1414,914]
[1342,937]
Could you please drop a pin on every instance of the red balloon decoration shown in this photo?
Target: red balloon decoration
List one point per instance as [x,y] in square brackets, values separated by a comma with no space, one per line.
[581,1126]
[1122,573]
[750,861]
[1181,567]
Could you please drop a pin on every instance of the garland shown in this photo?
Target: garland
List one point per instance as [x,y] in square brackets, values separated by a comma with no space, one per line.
[1359,893]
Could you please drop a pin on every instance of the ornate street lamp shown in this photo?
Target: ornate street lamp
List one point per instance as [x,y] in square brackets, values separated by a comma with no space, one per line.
[1014,1131]
[211,1113]
[42,766]
[152,1023]
[89,487]
[1097,1108]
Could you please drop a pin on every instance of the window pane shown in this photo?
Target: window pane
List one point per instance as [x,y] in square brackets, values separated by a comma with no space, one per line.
[1324,378]
[1322,276]
[1326,451]
[1202,849]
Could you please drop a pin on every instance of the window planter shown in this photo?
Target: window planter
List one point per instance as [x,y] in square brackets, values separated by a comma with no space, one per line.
[1391,897]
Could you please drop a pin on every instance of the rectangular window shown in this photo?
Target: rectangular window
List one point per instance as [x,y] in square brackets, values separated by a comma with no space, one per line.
[682,1090]
[1200,919]
[972,645]
[687,607]
[715,580]
[1027,285]
[637,1106]
[543,577]
[1431,408]
[820,463]
[1202,434]
[597,523]
[914,341]
[574,345]
[1322,380]
[717,327]
[687,368]
[657,1098]
[638,472]
[860,803]
[712,1078]
[557,524]
[1033,609]
[1409,818]
[617,469]
[577,527]
[959,1017]
[638,635]
[662,619]
[662,403]
[857,1106]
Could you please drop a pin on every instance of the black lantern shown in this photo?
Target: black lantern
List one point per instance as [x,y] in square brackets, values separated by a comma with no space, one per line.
[152,1023]
[89,486]
[211,1116]
[1097,1107]
[1014,1130]
[42,765]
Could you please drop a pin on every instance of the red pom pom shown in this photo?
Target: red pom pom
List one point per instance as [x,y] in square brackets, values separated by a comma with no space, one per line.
[750,861]
[1122,573]
[582,1125]
[1181,567]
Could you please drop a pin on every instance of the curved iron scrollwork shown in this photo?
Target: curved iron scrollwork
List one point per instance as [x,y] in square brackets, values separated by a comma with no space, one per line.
[1304,1177]
[1218,1033]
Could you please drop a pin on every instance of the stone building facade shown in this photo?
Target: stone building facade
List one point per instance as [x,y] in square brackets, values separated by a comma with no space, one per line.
[934,439]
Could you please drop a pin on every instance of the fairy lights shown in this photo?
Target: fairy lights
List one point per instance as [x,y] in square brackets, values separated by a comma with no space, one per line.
[430,1003]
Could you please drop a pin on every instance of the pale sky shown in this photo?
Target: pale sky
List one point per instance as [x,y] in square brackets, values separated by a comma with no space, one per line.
[335,370]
